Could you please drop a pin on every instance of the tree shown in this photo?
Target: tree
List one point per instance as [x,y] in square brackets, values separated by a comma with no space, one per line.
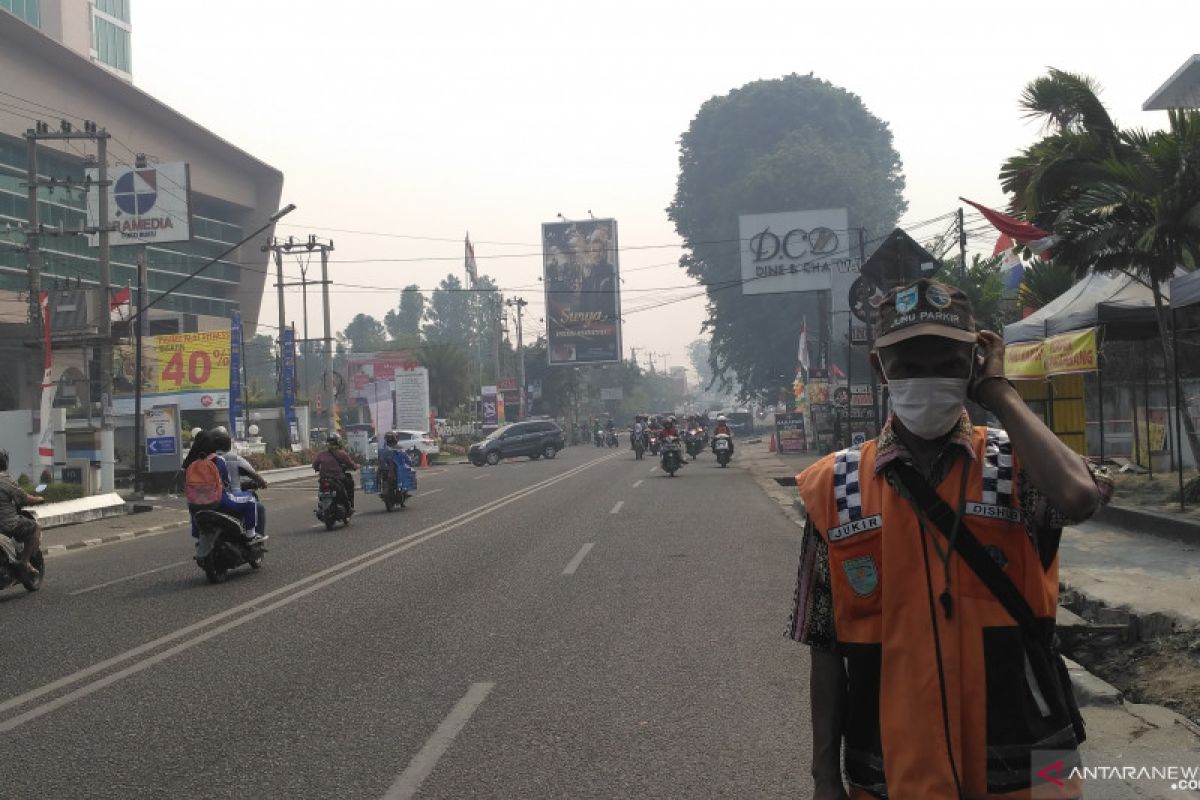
[364,334]
[404,323]
[450,313]
[984,288]
[449,374]
[1119,200]
[796,142]
[1043,282]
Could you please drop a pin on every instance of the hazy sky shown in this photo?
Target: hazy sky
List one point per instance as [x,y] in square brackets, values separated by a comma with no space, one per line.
[432,119]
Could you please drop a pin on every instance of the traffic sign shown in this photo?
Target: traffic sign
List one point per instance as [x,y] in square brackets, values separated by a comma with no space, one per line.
[161,445]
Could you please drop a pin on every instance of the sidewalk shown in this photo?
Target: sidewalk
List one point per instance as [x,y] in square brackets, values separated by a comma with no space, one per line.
[56,541]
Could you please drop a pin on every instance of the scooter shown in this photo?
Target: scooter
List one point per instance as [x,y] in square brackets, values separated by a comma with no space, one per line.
[654,445]
[222,545]
[10,556]
[392,491]
[639,446]
[333,504]
[672,455]
[723,447]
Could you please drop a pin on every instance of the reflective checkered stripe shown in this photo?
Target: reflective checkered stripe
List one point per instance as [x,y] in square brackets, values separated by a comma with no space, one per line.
[845,486]
[997,469]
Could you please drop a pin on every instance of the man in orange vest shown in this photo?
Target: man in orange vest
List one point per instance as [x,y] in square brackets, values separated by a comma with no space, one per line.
[928,578]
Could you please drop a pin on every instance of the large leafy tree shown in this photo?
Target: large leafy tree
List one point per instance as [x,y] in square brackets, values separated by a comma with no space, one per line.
[450,315]
[982,284]
[1043,282]
[796,142]
[364,334]
[404,323]
[449,374]
[1119,200]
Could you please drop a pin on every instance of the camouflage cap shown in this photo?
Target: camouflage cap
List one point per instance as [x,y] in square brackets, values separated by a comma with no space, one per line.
[925,308]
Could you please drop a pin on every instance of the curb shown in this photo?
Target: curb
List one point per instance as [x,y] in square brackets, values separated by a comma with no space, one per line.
[1090,690]
[59,549]
[1153,523]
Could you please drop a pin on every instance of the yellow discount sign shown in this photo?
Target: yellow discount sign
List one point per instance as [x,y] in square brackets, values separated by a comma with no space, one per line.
[190,362]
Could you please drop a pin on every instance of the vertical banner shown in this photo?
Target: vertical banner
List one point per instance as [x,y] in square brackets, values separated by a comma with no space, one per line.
[288,377]
[491,417]
[46,433]
[583,298]
[235,375]
[790,433]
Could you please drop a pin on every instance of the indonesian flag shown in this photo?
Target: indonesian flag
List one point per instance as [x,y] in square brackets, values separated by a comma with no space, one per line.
[802,355]
[472,269]
[1018,230]
[120,306]
[836,372]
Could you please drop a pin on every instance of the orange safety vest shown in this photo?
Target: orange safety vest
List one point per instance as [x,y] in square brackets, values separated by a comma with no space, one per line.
[895,740]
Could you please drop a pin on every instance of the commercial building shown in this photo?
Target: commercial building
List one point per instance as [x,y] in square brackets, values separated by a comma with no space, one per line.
[69,60]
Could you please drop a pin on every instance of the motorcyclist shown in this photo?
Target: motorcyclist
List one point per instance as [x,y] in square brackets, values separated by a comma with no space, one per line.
[237,467]
[639,431]
[397,460]
[722,429]
[335,464]
[243,505]
[670,431]
[23,530]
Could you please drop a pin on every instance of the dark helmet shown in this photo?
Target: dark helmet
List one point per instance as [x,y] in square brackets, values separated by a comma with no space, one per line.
[3,460]
[334,440]
[221,441]
[670,420]
[391,439]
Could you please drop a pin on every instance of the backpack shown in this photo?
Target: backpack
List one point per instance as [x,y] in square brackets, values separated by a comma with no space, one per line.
[202,483]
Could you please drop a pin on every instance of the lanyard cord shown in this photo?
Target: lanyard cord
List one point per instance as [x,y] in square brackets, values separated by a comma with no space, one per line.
[945,555]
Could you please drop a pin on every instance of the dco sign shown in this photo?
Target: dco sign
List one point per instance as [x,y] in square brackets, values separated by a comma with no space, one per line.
[792,251]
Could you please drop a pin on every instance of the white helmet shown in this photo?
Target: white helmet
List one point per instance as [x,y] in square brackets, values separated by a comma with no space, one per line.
[721,418]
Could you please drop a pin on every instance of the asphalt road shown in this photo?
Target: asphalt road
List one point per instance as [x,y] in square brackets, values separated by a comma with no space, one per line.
[576,628]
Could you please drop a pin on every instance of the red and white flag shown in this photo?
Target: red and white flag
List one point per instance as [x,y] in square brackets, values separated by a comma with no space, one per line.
[120,305]
[472,269]
[1018,230]
[802,355]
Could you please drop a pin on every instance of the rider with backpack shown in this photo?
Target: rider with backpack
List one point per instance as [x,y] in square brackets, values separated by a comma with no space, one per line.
[206,487]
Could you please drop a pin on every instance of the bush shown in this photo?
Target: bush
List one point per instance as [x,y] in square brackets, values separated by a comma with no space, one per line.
[259,461]
[57,492]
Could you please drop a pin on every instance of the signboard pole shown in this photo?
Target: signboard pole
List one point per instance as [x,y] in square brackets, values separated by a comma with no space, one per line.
[139,435]
[107,443]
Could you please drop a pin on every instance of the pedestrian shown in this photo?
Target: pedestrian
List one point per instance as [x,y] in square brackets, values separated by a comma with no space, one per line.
[928,579]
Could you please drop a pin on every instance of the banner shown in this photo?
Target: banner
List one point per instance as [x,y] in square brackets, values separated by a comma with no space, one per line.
[147,205]
[1072,352]
[412,399]
[583,299]
[46,432]
[490,413]
[1023,361]
[190,370]
[235,375]
[790,433]
[288,378]
[798,251]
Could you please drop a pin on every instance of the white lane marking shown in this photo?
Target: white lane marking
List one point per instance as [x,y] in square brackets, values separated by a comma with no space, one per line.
[638,483]
[578,559]
[126,578]
[250,610]
[653,470]
[423,763]
[484,475]
[420,493]
[617,508]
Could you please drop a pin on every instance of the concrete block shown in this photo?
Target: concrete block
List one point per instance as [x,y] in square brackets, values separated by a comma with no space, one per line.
[1112,616]
[1090,690]
[83,509]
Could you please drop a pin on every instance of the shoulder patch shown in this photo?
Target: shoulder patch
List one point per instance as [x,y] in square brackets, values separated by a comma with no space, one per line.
[862,574]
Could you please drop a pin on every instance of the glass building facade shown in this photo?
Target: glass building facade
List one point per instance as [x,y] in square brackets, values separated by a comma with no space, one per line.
[111,33]
[69,259]
[28,10]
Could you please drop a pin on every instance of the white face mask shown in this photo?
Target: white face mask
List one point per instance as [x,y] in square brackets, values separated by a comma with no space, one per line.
[928,407]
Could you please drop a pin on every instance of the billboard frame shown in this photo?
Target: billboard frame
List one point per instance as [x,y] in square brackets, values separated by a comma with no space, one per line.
[552,333]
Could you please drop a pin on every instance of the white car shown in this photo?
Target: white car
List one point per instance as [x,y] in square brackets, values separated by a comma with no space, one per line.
[418,439]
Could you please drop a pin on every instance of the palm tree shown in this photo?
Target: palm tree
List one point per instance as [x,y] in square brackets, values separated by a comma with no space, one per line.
[1119,200]
[1043,282]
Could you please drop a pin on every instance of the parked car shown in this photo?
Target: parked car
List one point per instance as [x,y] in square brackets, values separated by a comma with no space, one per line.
[534,439]
[419,440]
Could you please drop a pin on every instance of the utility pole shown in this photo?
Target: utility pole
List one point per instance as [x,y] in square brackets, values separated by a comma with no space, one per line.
[91,132]
[520,304]
[497,320]
[312,243]
[962,247]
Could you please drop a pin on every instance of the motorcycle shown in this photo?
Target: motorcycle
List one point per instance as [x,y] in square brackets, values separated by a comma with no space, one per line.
[654,445]
[695,443]
[391,490]
[639,446]
[10,555]
[598,439]
[723,446]
[222,545]
[610,439]
[672,456]
[333,504]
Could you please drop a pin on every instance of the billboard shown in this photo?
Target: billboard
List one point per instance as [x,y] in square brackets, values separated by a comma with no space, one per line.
[190,370]
[583,299]
[798,251]
[412,399]
[146,205]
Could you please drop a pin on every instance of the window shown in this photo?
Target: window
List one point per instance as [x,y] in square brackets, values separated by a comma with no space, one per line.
[28,10]
[111,44]
[115,8]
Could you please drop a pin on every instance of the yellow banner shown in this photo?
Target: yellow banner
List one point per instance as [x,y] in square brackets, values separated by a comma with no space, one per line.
[1071,352]
[1023,361]
[193,361]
